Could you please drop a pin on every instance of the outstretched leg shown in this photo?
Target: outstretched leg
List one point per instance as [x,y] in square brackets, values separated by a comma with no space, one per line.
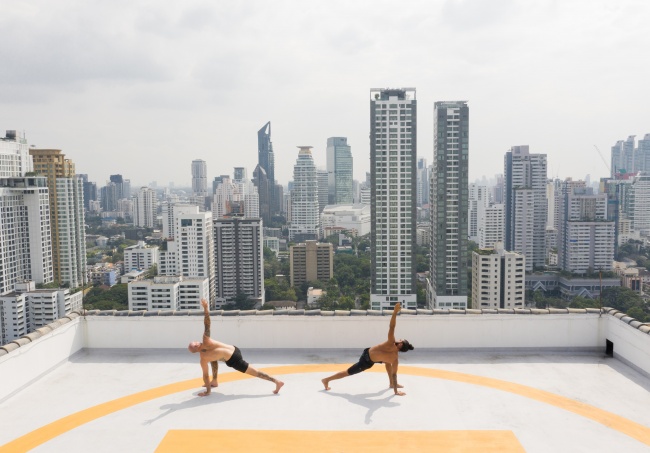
[339,375]
[262,375]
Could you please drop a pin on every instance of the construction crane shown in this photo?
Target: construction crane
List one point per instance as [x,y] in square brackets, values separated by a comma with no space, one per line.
[603,158]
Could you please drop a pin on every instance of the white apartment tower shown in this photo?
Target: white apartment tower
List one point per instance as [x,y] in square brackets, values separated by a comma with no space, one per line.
[191,252]
[168,293]
[14,156]
[639,204]
[449,206]
[239,259]
[525,204]
[498,279]
[140,257]
[304,198]
[479,198]
[323,194]
[145,208]
[339,171]
[490,225]
[393,154]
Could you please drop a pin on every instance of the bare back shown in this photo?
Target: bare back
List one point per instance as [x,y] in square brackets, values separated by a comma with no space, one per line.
[212,350]
[385,352]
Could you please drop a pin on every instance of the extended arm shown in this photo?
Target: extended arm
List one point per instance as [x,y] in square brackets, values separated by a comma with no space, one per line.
[206,318]
[393,321]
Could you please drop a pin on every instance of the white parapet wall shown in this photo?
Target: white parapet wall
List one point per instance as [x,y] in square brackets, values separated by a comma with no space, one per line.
[575,331]
[630,345]
[24,365]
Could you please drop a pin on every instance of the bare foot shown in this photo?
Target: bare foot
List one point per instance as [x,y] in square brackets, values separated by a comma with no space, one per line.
[325,383]
[213,384]
[204,393]
[278,386]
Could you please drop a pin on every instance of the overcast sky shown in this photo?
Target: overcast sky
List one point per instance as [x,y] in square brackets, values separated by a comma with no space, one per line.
[142,88]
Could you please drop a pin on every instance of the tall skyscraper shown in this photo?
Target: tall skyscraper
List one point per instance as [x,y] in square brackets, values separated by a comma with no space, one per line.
[199,178]
[239,259]
[393,154]
[304,198]
[67,215]
[145,208]
[240,174]
[422,183]
[526,205]
[269,204]
[449,205]
[623,157]
[339,171]
[323,188]
[478,199]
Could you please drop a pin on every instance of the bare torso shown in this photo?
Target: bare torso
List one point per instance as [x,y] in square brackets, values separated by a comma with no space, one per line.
[385,352]
[212,350]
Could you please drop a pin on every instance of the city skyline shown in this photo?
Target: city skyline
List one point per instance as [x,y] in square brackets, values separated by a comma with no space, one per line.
[160,87]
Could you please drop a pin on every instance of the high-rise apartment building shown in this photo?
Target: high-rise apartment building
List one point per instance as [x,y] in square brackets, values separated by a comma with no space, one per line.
[14,156]
[638,205]
[422,183]
[323,195]
[393,155]
[145,208]
[199,178]
[490,225]
[191,253]
[66,213]
[310,261]
[239,259]
[585,238]
[304,198]
[449,205]
[339,171]
[526,205]
[479,199]
[498,278]
[168,293]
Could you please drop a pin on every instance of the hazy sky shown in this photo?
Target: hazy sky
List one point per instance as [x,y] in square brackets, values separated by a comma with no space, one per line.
[142,88]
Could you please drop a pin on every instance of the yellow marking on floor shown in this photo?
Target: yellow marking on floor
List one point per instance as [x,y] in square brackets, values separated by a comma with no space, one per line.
[242,441]
[72,421]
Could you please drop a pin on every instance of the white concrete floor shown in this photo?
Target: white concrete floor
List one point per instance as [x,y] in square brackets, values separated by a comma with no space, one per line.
[356,403]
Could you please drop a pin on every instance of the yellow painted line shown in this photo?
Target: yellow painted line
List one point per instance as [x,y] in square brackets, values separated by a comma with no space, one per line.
[72,421]
[243,441]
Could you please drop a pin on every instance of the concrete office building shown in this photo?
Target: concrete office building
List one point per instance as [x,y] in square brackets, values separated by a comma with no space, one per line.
[525,205]
[498,278]
[239,259]
[339,170]
[310,261]
[393,155]
[449,206]
[304,198]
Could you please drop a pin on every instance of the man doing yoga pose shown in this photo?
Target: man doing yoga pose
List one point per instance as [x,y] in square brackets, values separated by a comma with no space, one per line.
[211,351]
[385,353]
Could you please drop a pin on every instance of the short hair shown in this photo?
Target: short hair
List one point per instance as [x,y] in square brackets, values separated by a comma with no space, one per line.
[406,346]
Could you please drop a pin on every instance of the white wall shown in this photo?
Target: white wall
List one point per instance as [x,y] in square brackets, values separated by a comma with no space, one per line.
[630,345]
[21,367]
[327,332]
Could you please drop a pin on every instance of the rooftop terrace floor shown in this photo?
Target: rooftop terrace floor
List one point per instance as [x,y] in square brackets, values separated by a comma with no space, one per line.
[146,400]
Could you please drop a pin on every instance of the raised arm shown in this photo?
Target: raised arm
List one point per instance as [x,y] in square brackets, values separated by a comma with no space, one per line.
[206,318]
[393,321]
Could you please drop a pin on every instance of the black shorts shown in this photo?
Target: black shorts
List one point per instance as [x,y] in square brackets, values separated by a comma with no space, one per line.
[237,362]
[363,364]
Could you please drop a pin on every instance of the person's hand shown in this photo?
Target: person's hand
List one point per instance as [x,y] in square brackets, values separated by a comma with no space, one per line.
[204,304]
[398,306]
[398,393]
[204,393]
